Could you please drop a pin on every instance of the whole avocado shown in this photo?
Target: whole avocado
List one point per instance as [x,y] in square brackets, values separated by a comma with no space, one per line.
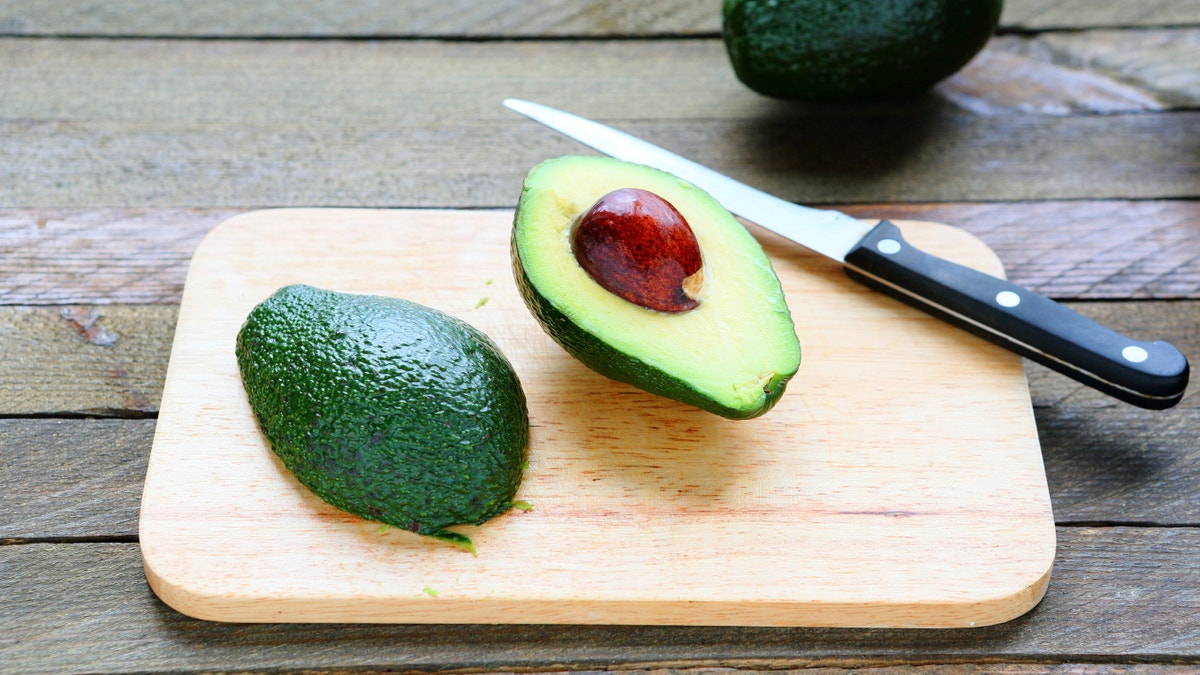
[847,50]
[385,408]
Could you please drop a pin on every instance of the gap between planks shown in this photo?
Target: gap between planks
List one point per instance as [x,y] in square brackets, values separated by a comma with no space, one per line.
[1069,250]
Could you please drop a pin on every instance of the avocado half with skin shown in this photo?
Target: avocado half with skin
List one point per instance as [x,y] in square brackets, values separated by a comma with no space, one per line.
[731,353]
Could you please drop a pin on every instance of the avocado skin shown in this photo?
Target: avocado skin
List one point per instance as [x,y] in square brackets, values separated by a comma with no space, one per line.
[621,366]
[847,50]
[385,408]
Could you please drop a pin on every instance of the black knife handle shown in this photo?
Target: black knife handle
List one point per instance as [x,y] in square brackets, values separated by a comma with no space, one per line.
[1147,374]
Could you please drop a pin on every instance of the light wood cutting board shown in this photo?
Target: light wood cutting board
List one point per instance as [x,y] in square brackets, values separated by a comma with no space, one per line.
[899,482]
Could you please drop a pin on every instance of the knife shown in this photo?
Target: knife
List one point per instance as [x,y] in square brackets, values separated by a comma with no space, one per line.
[1151,375]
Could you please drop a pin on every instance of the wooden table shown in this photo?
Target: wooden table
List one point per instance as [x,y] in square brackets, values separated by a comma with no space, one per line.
[129,129]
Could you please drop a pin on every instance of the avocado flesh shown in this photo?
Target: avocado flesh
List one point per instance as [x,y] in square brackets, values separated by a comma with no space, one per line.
[385,408]
[732,355]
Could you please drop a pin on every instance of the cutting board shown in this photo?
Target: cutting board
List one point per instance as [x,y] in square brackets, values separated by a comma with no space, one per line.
[899,482]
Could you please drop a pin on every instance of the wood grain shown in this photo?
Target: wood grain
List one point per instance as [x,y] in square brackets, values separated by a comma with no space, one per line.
[1113,466]
[166,123]
[1076,14]
[1109,463]
[1081,250]
[51,368]
[1098,71]
[507,18]
[72,479]
[1104,463]
[330,18]
[1118,594]
[1154,62]
[479,164]
[125,123]
[87,256]
[84,359]
[668,498]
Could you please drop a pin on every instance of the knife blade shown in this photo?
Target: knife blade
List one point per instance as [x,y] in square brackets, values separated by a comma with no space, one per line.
[1148,374]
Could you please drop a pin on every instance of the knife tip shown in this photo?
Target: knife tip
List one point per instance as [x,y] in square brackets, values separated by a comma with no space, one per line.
[527,108]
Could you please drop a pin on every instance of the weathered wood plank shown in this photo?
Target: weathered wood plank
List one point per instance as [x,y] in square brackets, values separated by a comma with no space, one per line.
[1105,461]
[862,156]
[84,360]
[101,360]
[1109,462]
[1077,14]
[57,257]
[803,158]
[1079,250]
[508,19]
[1075,250]
[331,18]
[245,124]
[82,478]
[72,478]
[1117,593]
[1105,71]
[1099,71]
[1161,63]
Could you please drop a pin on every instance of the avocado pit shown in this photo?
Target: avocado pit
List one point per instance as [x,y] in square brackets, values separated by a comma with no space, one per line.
[636,245]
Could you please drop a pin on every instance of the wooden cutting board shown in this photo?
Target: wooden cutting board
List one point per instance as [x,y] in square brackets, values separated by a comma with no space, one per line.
[898,483]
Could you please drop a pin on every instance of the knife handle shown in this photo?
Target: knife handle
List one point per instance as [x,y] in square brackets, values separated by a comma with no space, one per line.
[1147,374]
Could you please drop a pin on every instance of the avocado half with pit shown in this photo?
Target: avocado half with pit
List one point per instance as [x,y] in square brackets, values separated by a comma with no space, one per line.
[648,280]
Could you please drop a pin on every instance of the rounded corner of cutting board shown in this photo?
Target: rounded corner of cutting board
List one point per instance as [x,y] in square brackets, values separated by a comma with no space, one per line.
[1025,592]
[1020,601]
[176,593]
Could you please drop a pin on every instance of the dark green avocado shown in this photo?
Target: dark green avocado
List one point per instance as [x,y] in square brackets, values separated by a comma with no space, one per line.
[385,408]
[842,50]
